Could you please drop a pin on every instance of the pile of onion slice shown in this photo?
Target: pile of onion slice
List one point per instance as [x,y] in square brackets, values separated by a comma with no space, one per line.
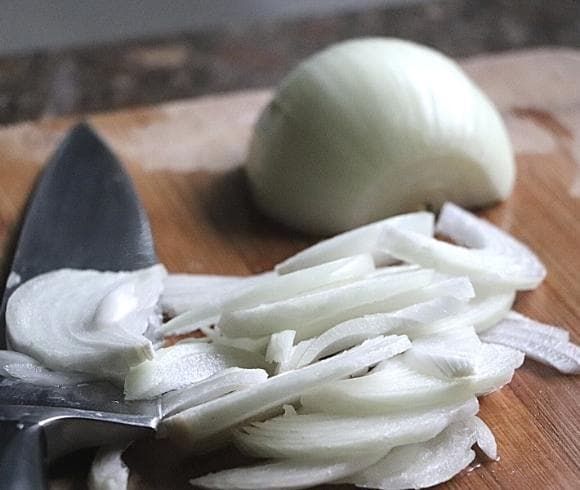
[443,313]
[374,343]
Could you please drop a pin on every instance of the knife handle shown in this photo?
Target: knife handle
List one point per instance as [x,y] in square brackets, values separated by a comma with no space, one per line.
[22,456]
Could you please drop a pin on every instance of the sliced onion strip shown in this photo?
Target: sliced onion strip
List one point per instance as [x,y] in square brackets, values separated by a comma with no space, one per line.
[199,424]
[283,475]
[274,288]
[424,464]
[467,229]
[183,364]
[183,290]
[544,343]
[314,313]
[510,265]
[219,384]
[453,354]
[360,240]
[352,332]
[322,436]
[395,385]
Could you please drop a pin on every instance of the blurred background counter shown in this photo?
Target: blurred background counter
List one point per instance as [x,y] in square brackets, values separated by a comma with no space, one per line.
[69,57]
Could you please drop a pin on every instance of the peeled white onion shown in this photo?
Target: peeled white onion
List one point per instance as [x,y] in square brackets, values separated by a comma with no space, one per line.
[371,128]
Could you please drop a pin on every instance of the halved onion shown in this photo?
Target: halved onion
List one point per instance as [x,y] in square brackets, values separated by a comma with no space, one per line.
[183,364]
[208,422]
[95,320]
[424,464]
[322,436]
[544,343]
[359,240]
[274,288]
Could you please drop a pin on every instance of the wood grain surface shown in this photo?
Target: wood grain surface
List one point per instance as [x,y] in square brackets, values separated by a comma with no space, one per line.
[185,158]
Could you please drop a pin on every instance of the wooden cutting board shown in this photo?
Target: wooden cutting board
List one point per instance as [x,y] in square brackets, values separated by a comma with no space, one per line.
[185,159]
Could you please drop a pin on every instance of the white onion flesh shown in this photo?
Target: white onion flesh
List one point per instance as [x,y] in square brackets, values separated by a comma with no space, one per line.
[393,269]
[352,332]
[275,288]
[182,290]
[322,436]
[198,424]
[453,354]
[488,266]
[25,368]
[258,345]
[283,475]
[314,313]
[482,312]
[467,229]
[485,439]
[544,343]
[216,385]
[109,471]
[183,364]
[424,464]
[95,320]
[360,240]
[280,349]
[394,385]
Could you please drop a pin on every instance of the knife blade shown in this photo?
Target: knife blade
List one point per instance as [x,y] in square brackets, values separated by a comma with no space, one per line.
[84,213]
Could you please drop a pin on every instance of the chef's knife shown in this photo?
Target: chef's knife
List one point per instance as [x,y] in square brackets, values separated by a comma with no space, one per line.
[84,213]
